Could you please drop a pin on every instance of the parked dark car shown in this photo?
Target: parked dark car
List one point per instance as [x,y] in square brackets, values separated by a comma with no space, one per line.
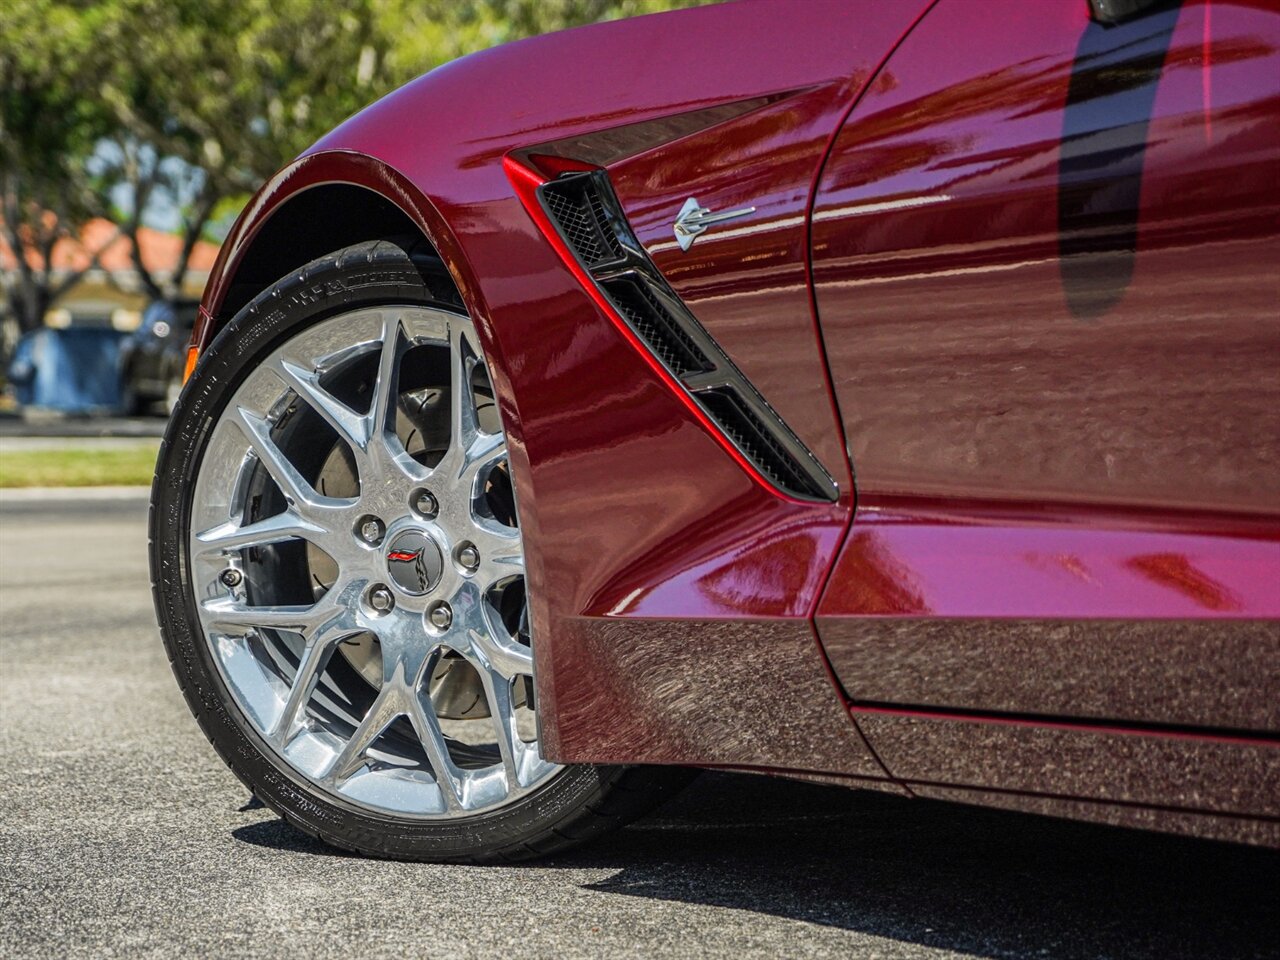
[883,394]
[151,357]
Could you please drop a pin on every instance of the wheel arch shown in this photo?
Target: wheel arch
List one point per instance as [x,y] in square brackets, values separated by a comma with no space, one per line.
[320,203]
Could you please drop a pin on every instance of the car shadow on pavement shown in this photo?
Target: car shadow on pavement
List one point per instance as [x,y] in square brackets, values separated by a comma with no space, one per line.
[951,877]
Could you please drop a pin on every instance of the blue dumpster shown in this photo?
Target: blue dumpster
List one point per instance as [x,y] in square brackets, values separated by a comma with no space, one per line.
[72,371]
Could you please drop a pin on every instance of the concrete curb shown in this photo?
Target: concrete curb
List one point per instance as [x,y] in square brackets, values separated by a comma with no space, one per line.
[26,494]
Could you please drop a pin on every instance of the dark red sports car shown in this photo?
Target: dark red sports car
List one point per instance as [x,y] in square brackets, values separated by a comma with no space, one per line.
[885,394]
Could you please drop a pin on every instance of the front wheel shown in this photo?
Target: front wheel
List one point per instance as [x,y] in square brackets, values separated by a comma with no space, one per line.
[338,571]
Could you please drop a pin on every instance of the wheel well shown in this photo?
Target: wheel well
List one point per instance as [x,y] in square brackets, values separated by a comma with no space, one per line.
[315,222]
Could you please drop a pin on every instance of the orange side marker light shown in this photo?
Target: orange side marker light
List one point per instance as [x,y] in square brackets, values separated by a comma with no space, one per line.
[193,354]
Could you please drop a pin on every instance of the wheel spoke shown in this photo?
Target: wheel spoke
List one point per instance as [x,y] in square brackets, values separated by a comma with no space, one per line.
[502,712]
[464,422]
[498,542]
[506,656]
[288,525]
[381,422]
[350,426]
[383,409]
[385,708]
[226,612]
[501,552]
[423,718]
[487,450]
[315,655]
[297,491]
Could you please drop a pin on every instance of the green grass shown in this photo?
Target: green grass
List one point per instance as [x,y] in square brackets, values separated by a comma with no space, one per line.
[69,466]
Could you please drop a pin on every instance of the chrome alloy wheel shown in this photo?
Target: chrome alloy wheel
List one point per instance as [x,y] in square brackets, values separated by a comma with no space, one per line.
[358,569]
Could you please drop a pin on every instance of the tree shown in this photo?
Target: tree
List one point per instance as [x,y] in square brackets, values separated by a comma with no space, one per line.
[48,129]
[123,108]
[231,91]
[431,32]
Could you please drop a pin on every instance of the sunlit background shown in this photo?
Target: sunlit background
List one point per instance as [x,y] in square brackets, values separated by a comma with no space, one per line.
[132,132]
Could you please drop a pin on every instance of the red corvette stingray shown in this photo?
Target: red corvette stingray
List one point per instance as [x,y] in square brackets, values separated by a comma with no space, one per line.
[886,394]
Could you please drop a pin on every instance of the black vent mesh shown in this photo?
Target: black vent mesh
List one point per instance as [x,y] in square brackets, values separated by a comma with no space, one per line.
[745,429]
[578,211]
[657,327]
[588,217]
[597,214]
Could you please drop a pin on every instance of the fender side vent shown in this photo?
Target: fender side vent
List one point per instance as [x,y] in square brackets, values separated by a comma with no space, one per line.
[750,435]
[657,327]
[586,214]
[575,205]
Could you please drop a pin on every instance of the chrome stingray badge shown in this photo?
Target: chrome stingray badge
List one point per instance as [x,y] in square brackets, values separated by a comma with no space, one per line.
[694,219]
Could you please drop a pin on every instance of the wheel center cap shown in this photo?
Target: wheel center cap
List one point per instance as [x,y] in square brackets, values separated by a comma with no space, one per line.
[414,562]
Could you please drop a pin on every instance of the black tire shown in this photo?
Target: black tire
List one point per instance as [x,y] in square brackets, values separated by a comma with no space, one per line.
[577,804]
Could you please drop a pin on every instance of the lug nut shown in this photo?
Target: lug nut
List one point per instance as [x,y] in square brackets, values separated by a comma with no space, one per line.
[425,504]
[441,616]
[381,600]
[371,530]
[469,557]
[231,577]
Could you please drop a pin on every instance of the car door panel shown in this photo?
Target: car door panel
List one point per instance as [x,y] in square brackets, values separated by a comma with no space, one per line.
[1044,260]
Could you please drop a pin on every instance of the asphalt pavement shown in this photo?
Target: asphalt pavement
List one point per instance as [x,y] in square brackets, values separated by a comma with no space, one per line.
[121,834]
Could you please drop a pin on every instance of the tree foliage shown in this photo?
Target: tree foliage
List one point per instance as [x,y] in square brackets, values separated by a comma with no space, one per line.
[122,108]
[431,32]
[48,129]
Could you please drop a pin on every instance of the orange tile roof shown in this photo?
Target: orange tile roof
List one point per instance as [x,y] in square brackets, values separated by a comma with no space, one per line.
[160,250]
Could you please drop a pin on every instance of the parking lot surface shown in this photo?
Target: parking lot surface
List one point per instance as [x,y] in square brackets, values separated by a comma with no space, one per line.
[123,835]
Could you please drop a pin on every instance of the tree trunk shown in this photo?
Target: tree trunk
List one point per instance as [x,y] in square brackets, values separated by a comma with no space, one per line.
[193,226]
[31,233]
